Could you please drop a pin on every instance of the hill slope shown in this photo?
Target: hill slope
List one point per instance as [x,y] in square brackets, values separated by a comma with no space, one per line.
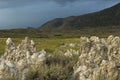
[106,17]
[102,23]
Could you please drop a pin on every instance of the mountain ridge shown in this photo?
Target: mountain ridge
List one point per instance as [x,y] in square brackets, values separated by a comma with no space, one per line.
[106,17]
[102,23]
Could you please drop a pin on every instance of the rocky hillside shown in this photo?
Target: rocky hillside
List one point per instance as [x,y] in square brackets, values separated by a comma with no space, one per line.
[105,18]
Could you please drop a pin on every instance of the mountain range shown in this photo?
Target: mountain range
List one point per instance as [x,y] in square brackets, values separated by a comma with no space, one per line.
[101,23]
[106,17]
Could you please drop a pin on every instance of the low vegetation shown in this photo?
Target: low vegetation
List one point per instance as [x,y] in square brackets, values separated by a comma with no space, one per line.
[49,44]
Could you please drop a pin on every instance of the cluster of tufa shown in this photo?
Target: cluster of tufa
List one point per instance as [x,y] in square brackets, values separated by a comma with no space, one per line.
[99,59]
[17,60]
[71,52]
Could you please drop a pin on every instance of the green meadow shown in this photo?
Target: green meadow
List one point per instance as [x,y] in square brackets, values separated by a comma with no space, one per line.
[49,44]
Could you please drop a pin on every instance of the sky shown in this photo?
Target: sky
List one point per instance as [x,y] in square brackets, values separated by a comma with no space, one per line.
[34,13]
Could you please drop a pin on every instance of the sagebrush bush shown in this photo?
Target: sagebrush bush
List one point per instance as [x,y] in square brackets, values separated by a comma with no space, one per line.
[57,67]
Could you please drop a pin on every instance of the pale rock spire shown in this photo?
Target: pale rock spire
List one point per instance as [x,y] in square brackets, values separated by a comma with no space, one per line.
[17,60]
[99,59]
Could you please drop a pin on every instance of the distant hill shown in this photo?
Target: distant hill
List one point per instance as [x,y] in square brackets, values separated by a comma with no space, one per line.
[102,23]
[105,18]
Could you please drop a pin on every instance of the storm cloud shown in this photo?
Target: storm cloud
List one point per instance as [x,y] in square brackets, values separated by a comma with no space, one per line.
[18,3]
[33,13]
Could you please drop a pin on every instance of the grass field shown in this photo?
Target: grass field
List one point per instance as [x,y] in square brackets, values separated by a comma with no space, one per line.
[49,44]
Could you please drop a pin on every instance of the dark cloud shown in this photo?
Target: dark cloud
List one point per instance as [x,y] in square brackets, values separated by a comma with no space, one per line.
[19,3]
[64,1]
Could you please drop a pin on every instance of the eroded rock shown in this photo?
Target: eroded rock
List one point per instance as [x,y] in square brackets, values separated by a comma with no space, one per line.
[17,60]
[99,59]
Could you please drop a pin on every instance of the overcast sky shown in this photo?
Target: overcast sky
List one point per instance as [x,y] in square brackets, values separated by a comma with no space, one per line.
[33,13]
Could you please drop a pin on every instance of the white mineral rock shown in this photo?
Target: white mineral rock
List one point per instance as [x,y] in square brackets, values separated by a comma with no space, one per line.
[17,60]
[101,57]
